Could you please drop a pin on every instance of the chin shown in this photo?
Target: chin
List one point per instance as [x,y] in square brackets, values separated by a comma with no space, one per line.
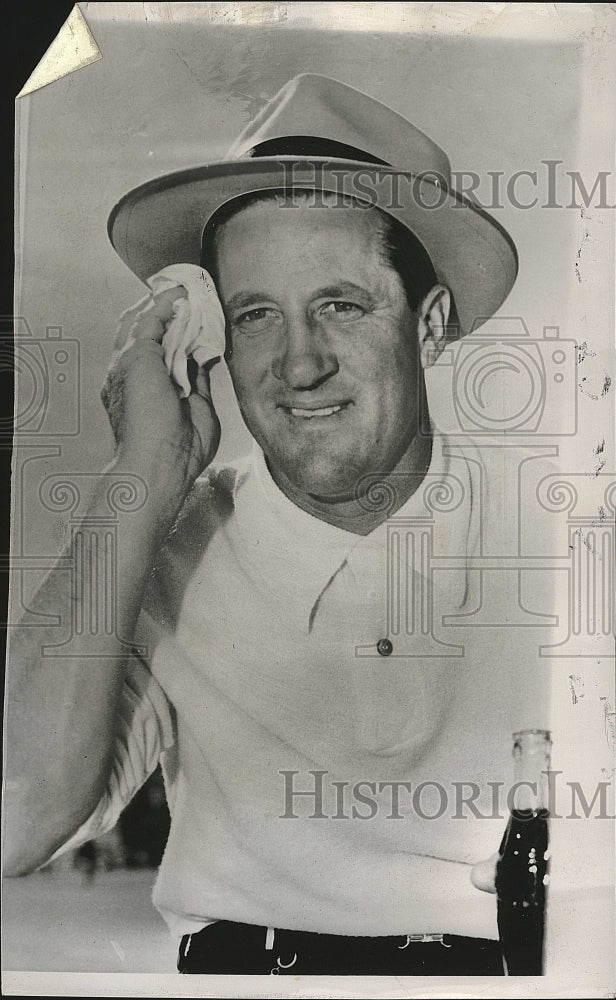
[324,478]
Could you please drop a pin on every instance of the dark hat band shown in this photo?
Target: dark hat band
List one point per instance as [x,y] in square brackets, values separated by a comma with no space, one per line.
[312,145]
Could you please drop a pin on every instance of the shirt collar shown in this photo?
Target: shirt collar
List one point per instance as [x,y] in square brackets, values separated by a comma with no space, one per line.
[295,553]
[317,549]
[416,509]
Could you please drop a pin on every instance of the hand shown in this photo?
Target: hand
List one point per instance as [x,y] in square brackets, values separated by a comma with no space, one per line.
[165,439]
[483,874]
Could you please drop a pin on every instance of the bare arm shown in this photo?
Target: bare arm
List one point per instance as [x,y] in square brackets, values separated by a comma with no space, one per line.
[61,714]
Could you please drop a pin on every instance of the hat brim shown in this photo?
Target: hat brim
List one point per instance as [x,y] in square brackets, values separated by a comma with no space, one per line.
[161,222]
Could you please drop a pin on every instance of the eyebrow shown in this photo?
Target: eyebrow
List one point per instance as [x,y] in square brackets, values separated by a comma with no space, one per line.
[243,300]
[342,289]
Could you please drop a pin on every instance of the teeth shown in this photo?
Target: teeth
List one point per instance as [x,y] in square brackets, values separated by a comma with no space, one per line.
[326,411]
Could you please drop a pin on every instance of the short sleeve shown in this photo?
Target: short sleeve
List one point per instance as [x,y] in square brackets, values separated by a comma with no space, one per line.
[145,730]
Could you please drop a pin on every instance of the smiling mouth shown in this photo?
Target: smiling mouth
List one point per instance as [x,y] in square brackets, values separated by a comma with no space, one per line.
[309,413]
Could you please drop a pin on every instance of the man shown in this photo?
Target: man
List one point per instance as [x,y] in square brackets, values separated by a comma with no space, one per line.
[266,675]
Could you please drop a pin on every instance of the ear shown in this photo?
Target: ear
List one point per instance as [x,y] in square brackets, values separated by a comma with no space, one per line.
[433,314]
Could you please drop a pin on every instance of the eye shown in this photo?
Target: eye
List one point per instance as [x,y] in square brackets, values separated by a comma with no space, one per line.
[341,311]
[255,321]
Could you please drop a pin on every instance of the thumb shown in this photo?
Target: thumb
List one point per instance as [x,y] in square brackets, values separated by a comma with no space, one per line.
[483,874]
[204,418]
[202,382]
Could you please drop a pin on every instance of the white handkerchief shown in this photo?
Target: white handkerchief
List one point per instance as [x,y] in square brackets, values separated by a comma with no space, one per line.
[198,326]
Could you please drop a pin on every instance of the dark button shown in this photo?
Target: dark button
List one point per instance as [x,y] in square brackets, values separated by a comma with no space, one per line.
[384,647]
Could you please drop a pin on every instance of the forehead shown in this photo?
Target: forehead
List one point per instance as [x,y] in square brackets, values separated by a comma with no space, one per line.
[302,233]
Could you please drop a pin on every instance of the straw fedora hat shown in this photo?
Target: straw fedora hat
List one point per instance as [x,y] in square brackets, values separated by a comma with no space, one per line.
[380,157]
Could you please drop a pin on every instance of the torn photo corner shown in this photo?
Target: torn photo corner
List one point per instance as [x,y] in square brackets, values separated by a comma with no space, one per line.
[72,49]
[310,671]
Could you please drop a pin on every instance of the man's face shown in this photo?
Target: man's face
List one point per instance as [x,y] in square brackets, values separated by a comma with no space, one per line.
[325,358]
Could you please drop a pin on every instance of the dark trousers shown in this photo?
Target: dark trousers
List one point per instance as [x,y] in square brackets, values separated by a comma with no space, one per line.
[232,948]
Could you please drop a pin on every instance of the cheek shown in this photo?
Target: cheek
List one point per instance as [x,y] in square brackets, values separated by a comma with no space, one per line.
[391,379]
[404,364]
[249,374]
[382,358]
[243,367]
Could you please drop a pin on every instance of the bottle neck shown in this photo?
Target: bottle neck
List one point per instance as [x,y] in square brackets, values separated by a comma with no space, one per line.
[531,764]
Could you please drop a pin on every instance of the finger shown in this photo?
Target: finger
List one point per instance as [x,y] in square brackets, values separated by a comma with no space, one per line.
[132,352]
[205,423]
[127,321]
[179,372]
[164,301]
[153,320]
[483,874]
[161,305]
[202,384]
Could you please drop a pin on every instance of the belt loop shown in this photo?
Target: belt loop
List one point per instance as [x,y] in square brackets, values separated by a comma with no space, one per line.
[269,939]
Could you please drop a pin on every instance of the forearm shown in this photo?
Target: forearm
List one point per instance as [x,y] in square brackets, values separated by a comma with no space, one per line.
[62,699]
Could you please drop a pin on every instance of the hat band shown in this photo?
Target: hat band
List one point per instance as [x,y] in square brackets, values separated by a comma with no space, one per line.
[312,145]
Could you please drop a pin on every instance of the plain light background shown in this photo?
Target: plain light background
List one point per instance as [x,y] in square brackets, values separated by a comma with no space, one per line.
[501,87]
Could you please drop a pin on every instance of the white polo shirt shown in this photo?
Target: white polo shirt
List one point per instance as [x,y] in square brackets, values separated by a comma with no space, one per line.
[269,677]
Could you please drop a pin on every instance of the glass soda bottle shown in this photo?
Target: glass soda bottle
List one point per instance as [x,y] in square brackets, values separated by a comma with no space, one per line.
[522,868]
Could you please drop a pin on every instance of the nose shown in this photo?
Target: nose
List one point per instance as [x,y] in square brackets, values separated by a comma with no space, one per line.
[305,357]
